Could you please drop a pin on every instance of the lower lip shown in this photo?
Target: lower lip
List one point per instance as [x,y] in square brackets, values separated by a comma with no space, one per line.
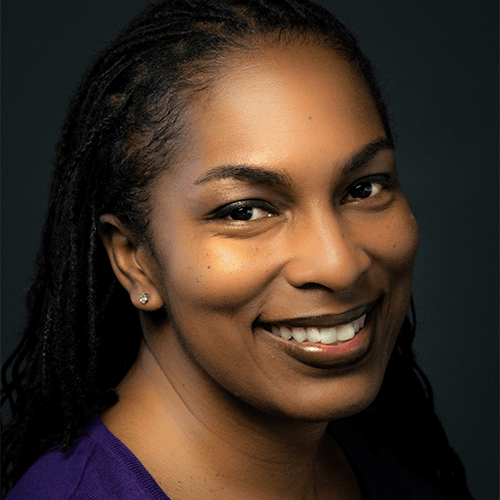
[326,356]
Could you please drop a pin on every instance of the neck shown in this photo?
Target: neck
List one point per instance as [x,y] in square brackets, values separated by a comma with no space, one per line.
[194,447]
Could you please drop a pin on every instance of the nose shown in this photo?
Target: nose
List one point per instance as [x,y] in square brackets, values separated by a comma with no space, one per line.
[325,252]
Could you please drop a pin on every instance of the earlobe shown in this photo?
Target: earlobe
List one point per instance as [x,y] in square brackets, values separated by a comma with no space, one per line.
[130,264]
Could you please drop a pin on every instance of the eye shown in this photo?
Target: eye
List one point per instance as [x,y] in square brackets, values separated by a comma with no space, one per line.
[364,190]
[246,210]
[248,213]
[367,187]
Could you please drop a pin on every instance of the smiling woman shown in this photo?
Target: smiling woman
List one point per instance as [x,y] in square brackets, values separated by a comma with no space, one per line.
[225,275]
[323,259]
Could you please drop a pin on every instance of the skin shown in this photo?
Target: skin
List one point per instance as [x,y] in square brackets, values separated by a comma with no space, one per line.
[214,407]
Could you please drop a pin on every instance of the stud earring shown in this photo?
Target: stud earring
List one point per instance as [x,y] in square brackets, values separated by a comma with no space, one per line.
[143,298]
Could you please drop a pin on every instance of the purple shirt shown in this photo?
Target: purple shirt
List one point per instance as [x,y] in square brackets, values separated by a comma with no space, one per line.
[99,466]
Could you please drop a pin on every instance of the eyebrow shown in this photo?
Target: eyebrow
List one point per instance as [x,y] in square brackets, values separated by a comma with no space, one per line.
[364,155]
[260,175]
[247,173]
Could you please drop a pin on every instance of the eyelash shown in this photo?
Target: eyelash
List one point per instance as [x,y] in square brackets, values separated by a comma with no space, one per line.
[383,180]
[225,211]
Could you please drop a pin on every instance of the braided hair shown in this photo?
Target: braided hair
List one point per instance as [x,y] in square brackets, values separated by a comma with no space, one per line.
[124,126]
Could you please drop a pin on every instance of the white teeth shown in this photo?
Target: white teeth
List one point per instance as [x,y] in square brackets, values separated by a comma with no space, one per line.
[285,333]
[328,335]
[313,335]
[299,334]
[345,332]
[359,323]
[331,335]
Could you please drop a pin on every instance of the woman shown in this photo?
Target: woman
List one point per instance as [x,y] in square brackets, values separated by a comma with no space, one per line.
[225,269]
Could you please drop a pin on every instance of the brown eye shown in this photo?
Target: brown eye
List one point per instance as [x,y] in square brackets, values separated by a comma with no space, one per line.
[245,213]
[247,210]
[367,187]
[364,190]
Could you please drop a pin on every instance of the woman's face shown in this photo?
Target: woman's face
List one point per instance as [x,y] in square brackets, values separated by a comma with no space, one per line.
[283,215]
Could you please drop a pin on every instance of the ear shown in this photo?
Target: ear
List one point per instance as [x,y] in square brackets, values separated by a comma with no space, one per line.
[132,265]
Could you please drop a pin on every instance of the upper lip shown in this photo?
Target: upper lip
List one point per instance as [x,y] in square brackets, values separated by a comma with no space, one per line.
[324,320]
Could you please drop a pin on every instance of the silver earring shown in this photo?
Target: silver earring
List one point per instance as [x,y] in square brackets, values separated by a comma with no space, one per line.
[143,298]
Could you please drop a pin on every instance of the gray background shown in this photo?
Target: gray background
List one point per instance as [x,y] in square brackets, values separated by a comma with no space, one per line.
[438,62]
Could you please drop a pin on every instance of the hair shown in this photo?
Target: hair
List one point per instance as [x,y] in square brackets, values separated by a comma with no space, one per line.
[123,128]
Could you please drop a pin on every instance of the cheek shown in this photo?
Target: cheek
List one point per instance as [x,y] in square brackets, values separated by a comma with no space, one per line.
[392,241]
[218,273]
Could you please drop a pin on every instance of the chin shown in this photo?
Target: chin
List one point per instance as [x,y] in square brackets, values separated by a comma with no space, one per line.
[327,399]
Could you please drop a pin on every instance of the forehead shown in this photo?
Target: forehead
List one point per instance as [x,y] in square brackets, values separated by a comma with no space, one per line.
[277,105]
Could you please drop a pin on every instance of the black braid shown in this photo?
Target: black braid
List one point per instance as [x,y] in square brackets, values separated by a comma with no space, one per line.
[124,126]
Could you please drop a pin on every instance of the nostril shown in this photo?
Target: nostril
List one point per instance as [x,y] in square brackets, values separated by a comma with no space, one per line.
[312,286]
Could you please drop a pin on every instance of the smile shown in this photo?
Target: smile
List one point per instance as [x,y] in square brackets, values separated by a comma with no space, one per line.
[328,341]
[335,335]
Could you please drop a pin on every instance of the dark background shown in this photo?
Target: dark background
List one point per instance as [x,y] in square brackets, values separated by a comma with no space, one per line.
[438,62]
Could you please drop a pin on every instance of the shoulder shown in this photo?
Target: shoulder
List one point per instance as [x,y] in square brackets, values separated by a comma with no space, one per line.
[56,475]
[97,466]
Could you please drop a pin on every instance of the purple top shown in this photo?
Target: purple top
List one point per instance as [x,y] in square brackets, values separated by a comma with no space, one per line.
[99,466]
